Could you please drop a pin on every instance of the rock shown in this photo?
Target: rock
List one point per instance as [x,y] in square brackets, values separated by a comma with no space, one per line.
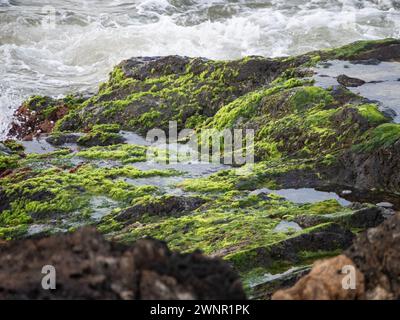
[100,139]
[374,255]
[366,170]
[164,206]
[61,139]
[89,267]
[368,62]
[266,287]
[324,282]
[4,201]
[328,237]
[366,218]
[308,221]
[349,82]
[4,150]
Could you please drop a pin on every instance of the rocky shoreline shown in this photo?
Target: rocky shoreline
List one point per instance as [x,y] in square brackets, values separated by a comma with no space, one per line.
[327,163]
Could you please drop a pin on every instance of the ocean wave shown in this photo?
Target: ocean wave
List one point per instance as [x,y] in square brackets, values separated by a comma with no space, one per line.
[87,40]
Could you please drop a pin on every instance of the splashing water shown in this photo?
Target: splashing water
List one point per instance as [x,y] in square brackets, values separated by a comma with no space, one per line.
[86,38]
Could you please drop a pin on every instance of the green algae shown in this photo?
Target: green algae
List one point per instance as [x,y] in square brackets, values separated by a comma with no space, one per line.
[382,136]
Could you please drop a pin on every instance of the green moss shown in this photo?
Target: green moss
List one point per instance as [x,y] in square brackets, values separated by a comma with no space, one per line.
[384,135]
[372,114]
[307,97]
[124,153]
[352,50]
[8,162]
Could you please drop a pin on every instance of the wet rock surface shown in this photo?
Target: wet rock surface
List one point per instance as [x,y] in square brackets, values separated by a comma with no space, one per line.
[314,139]
[374,256]
[349,82]
[88,267]
[166,206]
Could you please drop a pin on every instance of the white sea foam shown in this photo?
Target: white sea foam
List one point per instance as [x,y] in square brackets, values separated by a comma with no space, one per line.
[91,36]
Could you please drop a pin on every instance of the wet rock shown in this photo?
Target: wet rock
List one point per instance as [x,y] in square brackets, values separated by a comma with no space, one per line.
[266,288]
[366,218]
[368,62]
[100,139]
[89,267]
[382,52]
[328,237]
[324,282]
[4,150]
[200,97]
[4,201]
[374,255]
[164,206]
[369,170]
[349,82]
[61,139]
[308,221]
[37,116]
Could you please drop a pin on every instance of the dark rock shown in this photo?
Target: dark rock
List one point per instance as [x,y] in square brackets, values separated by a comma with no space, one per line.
[4,150]
[4,201]
[61,139]
[265,290]
[383,52]
[324,282]
[374,255]
[389,113]
[100,139]
[164,206]
[367,218]
[88,267]
[369,62]
[308,221]
[349,82]
[326,238]
[370,170]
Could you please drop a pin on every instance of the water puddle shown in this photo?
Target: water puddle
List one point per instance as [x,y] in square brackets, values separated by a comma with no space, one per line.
[382,81]
[168,184]
[304,195]
[287,227]
[101,207]
[38,146]
[269,277]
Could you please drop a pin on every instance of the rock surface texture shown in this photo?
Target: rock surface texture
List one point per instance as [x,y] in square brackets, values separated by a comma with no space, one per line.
[375,258]
[89,267]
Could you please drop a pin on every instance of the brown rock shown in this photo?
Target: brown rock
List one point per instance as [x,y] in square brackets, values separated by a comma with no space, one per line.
[375,255]
[89,267]
[325,283]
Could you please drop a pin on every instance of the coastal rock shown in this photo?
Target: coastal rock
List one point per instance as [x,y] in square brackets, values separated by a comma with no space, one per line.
[88,267]
[165,206]
[374,255]
[324,282]
[328,237]
[350,82]
[371,169]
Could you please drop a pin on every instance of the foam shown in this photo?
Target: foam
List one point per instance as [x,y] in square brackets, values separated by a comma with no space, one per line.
[95,35]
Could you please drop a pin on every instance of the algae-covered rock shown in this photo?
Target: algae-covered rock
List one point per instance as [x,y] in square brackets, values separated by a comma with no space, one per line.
[372,259]
[305,136]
